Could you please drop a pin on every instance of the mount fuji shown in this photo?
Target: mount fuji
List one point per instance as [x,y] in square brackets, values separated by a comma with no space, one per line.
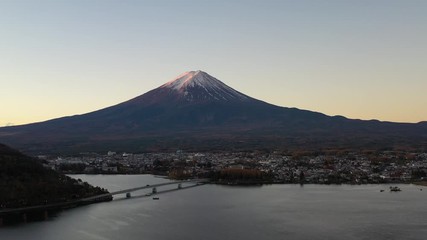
[198,112]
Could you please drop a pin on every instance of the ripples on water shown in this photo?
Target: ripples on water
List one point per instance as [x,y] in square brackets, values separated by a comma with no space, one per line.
[225,212]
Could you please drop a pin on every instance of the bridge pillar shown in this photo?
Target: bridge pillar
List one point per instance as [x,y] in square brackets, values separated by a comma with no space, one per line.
[46,215]
[154,190]
[179,186]
[24,217]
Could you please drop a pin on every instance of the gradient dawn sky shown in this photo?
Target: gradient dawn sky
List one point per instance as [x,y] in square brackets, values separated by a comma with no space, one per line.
[364,59]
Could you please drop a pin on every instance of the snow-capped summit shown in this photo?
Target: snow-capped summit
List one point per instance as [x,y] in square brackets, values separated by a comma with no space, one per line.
[198,85]
[196,112]
[190,79]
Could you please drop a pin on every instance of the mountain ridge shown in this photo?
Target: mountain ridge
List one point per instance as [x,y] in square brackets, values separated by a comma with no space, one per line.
[198,108]
[25,182]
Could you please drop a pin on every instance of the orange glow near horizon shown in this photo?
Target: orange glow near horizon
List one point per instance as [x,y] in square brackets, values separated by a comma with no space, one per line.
[362,61]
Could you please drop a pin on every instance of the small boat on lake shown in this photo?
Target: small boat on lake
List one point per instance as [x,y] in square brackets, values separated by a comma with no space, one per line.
[395,189]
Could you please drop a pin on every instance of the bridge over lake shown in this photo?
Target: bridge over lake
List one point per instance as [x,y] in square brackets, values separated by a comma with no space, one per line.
[42,211]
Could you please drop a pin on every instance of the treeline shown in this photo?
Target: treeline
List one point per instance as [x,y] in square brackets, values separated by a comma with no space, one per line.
[25,182]
[229,176]
[240,176]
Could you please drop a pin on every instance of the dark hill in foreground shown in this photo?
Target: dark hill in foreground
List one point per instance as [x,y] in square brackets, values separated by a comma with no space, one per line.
[197,112]
[25,182]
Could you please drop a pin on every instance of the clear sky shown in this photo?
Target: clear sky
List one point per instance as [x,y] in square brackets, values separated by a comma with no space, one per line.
[364,59]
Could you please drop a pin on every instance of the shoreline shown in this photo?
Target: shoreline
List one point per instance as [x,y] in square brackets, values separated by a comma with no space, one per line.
[420,183]
[14,216]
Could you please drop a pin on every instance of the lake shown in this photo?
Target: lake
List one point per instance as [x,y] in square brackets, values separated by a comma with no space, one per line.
[234,212]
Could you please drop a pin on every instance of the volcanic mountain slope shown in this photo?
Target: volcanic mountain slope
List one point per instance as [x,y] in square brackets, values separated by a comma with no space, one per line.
[196,111]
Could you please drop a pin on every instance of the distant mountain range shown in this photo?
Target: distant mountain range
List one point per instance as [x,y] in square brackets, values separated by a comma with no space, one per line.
[197,112]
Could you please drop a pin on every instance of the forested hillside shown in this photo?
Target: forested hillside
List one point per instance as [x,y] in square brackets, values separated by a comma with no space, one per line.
[25,182]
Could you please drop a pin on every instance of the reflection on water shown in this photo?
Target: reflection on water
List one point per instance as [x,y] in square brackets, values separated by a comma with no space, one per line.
[224,212]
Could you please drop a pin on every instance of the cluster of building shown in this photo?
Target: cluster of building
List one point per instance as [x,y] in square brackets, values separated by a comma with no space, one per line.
[348,167]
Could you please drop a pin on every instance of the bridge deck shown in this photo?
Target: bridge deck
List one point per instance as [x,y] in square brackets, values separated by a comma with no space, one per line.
[89,200]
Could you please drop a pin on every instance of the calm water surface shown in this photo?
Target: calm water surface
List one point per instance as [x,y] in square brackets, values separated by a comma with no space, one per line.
[223,212]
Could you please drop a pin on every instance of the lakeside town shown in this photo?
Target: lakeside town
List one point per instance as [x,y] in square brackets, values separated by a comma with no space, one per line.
[342,167]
